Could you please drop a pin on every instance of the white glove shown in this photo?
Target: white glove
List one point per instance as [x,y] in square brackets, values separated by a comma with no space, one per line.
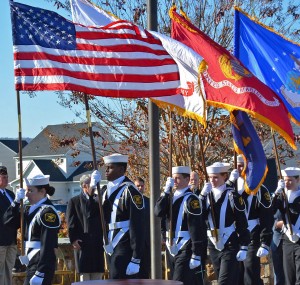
[262,251]
[20,194]
[234,175]
[36,280]
[280,186]
[206,189]
[108,249]
[195,261]
[133,266]
[242,254]
[169,185]
[95,178]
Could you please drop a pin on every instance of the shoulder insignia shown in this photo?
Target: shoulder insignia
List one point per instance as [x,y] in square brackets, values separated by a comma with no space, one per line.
[50,217]
[195,204]
[137,199]
[267,196]
[241,201]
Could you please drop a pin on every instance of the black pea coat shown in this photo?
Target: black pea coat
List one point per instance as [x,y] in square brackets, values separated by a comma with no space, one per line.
[83,219]
[10,230]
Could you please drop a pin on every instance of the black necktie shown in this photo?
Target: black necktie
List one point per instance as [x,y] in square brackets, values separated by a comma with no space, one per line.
[5,199]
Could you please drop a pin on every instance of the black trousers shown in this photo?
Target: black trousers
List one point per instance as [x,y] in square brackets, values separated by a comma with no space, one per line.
[250,268]
[225,265]
[180,269]
[32,268]
[291,261]
[119,261]
[277,258]
[145,264]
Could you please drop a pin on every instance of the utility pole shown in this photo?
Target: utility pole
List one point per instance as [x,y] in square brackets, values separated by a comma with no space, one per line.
[154,168]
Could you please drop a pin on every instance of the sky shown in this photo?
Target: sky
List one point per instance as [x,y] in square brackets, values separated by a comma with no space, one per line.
[37,112]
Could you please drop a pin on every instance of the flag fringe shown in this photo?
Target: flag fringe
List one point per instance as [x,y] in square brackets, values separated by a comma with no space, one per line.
[172,9]
[106,11]
[257,116]
[180,111]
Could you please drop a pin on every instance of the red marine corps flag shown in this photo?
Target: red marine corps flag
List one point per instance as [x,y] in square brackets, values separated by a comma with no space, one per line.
[228,84]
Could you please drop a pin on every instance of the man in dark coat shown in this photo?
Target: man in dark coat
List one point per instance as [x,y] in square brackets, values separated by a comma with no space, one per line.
[124,212]
[194,183]
[85,231]
[146,259]
[8,236]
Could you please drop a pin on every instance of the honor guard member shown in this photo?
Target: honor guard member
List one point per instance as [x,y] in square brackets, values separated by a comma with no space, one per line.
[42,223]
[124,212]
[259,213]
[86,236]
[227,223]
[194,183]
[289,206]
[188,248]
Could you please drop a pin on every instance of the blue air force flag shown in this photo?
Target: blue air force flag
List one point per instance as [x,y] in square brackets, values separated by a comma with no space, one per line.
[274,59]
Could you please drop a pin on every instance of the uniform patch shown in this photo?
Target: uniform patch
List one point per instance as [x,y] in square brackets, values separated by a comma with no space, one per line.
[195,204]
[267,196]
[50,217]
[241,201]
[137,199]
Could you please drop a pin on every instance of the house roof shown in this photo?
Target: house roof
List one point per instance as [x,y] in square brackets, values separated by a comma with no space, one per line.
[85,167]
[13,144]
[55,140]
[49,168]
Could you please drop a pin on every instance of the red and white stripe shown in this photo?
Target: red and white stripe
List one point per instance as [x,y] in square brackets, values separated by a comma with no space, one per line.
[120,60]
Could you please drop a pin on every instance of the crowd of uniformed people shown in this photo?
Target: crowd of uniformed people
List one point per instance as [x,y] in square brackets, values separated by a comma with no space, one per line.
[220,218]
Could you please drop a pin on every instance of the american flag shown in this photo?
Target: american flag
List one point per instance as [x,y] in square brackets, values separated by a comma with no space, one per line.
[118,60]
[190,99]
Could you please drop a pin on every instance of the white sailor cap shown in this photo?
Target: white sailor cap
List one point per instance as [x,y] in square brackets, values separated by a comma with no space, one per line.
[115,158]
[218,167]
[37,180]
[291,171]
[240,159]
[181,170]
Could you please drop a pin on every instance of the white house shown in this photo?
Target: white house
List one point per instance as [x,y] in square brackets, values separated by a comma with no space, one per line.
[63,152]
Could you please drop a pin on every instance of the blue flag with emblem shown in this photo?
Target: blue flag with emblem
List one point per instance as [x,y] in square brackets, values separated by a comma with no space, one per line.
[248,144]
[274,59]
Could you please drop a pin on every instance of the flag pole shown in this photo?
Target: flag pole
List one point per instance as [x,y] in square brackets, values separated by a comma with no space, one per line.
[20,172]
[280,176]
[235,167]
[154,165]
[171,193]
[103,224]
[213,217]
